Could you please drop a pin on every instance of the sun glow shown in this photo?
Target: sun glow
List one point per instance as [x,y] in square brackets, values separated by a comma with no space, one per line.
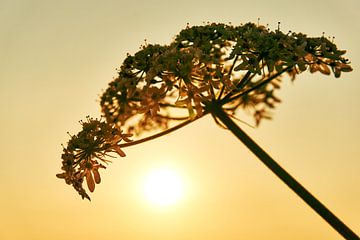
[163,187]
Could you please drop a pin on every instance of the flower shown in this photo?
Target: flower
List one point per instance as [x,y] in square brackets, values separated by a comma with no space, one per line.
[84,152]
[191,96]
[92,175]
[213,62]
[235,67]
[151,100]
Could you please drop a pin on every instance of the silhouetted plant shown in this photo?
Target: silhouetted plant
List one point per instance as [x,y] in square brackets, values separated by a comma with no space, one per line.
[215,69]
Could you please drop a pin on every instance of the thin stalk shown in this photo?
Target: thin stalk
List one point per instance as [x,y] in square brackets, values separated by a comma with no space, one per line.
[167,131]
[265,158]
[172,118]
[229,74]
[172,105]
[228,98]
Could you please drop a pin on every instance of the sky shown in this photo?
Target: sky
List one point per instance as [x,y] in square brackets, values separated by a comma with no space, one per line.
[57,57]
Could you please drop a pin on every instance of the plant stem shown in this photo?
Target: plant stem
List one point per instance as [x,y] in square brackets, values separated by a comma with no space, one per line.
[304,194]
[167,131]
[229,74]
[231,96]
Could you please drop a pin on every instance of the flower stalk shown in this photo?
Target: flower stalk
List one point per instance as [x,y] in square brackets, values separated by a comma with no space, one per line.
[290,181]
[218,69]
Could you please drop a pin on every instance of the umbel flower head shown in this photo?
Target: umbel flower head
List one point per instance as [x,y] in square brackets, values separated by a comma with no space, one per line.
[235,67]
[86,151]
[238,66]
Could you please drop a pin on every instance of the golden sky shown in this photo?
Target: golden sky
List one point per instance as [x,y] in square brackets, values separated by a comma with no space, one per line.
[57,56]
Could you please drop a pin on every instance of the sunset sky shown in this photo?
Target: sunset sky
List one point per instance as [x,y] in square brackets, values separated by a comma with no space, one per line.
[56,58]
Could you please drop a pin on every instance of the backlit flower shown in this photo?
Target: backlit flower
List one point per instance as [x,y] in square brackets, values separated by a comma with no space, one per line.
[84,152]
[235,67]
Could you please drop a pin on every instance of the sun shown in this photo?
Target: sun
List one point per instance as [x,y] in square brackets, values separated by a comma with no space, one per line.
[163,187]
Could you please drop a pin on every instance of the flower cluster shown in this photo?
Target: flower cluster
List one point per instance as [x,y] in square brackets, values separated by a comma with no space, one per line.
[235,67]
[239,67]
[84,153]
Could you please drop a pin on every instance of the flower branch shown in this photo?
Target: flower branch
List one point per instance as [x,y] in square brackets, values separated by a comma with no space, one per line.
[215,69]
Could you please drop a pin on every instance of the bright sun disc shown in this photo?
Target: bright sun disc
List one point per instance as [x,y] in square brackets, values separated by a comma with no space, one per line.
[163,187]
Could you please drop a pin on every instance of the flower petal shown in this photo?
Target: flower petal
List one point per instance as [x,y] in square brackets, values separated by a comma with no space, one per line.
[90,181]
[126,138]
[324,69]
[96,175]
[61,175]
[119,151]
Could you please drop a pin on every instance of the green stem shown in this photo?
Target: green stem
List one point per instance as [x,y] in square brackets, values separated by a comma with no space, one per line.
[304,194]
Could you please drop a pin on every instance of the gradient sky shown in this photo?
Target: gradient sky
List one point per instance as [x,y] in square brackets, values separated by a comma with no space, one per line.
[57,56]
